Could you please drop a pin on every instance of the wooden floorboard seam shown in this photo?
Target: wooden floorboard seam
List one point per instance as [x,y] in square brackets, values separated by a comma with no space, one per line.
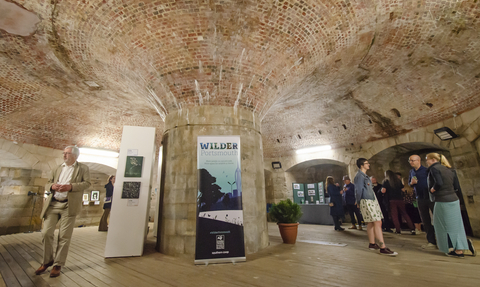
[16,252]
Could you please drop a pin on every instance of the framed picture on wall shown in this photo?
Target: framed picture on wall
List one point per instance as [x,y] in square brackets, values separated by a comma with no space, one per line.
[131,189]
[133,166]
[85,197]
[95,195]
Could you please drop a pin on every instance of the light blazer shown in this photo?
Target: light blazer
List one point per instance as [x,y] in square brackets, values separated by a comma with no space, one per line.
[80,181]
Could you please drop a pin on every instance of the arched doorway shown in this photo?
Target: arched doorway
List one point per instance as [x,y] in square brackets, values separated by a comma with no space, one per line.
[396,157]
[310,173]
[316,171]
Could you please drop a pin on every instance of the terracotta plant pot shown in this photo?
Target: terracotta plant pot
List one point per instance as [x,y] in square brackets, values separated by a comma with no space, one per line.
[288,231]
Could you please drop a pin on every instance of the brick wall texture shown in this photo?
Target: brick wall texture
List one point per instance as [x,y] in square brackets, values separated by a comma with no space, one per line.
[315,72]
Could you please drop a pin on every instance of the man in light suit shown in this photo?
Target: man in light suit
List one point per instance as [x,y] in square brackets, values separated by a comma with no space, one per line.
[67,183]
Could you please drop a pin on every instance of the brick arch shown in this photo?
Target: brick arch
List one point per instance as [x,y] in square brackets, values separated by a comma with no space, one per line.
[28,156]
[472,131]
[100,168]
[314,162]
[409,147]
[331,157]
[8,159]
[422,136]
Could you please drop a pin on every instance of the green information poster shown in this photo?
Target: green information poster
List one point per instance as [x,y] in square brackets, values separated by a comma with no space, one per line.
[321,193]
[298,193]
[311,194]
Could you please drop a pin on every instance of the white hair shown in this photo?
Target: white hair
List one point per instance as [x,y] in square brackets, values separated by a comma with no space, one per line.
[75,150]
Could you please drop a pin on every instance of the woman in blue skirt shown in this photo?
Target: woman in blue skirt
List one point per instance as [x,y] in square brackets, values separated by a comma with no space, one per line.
[448,223]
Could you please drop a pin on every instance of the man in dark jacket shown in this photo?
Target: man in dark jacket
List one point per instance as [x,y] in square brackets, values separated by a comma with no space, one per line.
[349,190]
[418,180]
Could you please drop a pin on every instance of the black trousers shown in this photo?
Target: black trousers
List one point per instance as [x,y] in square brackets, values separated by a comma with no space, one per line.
[353,210]
[386,223]
[336,221]
[424,208]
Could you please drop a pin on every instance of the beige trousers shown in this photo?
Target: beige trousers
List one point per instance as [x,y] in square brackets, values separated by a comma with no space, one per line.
[57,212]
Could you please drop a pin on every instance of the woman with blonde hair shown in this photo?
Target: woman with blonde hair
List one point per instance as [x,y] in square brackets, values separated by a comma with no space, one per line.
[442,183]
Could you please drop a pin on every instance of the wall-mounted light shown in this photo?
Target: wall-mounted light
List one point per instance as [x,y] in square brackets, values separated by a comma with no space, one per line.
[314,149]
[445,134]
[276,165]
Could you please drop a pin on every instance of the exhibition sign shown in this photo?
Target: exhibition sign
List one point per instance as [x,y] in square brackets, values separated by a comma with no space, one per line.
[219,201]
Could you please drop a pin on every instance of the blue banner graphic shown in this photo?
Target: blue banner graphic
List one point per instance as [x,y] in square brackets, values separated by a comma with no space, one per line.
[219,201]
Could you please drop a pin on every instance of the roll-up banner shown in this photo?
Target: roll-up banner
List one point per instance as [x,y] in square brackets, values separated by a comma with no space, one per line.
[219,201]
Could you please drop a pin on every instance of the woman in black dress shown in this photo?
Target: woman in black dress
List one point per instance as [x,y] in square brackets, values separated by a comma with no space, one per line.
[103,226]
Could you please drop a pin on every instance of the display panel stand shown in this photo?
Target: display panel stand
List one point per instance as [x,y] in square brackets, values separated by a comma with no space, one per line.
[128,224]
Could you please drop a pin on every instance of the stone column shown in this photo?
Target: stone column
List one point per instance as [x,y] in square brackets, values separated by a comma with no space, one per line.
[178,189]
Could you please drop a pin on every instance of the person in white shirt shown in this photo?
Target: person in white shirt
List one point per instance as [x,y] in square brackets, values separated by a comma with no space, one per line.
[66,184]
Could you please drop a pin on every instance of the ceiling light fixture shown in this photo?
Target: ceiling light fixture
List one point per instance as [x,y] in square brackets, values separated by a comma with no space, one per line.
[314,149]
[445,134]
[92,84]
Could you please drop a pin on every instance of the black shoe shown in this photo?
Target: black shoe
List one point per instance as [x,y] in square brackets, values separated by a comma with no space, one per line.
[373,246]
[388,230]
[413,232]
[471,247]
[340,229]
[398,233]
[386,251]
[454,254]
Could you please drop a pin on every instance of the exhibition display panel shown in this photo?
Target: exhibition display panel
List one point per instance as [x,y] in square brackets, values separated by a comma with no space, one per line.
[312,201]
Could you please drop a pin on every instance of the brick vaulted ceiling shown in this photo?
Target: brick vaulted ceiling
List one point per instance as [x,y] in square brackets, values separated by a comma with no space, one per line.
[315,72]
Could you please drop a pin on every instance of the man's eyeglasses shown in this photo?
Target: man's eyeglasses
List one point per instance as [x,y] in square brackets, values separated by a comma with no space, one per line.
[412,160]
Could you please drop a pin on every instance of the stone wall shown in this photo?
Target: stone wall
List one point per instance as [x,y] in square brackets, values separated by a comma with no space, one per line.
[15,204]
[276,188]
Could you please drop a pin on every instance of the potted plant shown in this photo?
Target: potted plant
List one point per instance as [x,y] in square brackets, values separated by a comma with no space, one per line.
[286,213]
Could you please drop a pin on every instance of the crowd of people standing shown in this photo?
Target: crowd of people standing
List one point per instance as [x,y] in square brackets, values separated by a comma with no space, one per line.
[430,195]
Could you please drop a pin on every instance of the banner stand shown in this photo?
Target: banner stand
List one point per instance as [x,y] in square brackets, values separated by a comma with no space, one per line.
[221,260]
[219,233]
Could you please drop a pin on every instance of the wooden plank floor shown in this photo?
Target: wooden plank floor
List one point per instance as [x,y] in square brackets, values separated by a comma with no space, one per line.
[315,263]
